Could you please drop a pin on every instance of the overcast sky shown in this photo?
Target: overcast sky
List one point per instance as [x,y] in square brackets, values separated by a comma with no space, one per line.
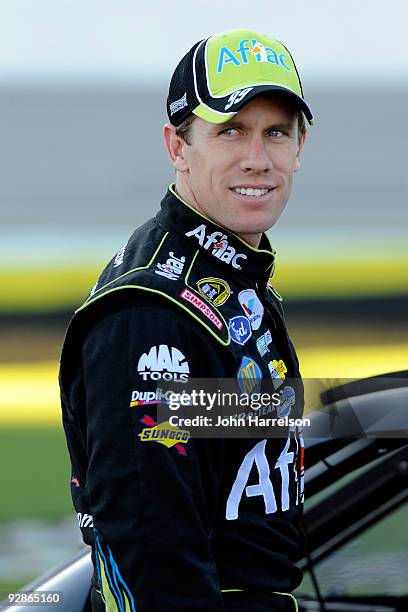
[362,40]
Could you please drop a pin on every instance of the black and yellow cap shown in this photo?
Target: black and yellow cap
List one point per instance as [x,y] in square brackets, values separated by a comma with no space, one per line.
[222,73]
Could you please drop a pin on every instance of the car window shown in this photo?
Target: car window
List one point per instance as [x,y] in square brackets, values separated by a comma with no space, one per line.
[373,563]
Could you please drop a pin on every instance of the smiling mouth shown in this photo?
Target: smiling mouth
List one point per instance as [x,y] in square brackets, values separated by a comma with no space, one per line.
[252,191]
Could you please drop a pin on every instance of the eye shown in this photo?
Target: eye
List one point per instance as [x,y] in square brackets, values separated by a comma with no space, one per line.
[229,131]
[275,133]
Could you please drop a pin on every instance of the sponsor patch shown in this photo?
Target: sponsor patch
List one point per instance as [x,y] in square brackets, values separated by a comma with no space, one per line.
[163,363]
[263,342]
[218,243]
[146,398]
[177,105]
[173,267]
[249,375]
[252,307]
[164,433]
[278,370]
[149,398]
[287,400]
[215,290]
[85,520]
[188,296]
[240,329]
[119,256]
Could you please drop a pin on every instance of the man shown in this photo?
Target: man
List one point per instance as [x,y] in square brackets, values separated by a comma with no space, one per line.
[178,523]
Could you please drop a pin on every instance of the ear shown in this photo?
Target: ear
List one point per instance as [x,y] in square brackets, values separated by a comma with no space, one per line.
[299,152]
[175,147]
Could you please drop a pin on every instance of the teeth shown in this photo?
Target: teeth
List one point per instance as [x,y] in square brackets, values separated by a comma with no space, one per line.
[250,191]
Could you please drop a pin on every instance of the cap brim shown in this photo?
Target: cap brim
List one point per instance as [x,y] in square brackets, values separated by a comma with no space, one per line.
[212,110]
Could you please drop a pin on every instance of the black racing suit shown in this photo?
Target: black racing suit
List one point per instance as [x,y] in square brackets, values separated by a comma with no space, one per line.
[188,524]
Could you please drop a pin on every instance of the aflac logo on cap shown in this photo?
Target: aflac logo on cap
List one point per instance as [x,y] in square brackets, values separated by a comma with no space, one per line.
[256,50]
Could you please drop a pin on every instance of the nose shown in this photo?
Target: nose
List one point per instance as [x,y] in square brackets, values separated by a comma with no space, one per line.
[255,158]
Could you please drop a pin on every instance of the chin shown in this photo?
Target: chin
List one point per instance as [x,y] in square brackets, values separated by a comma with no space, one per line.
[253,225]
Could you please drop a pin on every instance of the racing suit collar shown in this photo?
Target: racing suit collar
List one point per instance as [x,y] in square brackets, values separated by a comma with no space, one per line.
[222,246]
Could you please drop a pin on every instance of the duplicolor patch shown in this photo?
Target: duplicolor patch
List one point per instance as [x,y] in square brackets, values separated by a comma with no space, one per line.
[198,303]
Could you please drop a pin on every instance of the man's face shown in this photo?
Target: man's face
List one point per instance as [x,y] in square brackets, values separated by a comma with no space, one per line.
[240,173]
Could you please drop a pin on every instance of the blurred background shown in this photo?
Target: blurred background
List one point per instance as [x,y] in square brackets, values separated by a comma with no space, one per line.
[82,102]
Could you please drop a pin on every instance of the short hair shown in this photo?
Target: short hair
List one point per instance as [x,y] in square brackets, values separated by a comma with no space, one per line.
[183,130]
